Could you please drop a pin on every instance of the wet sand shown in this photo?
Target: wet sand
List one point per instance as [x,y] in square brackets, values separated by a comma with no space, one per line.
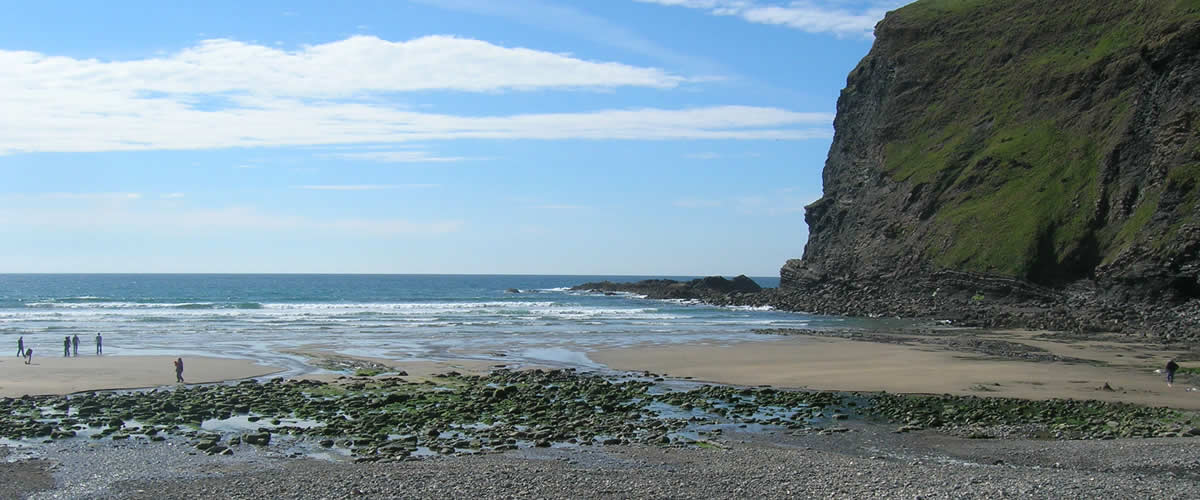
[60,375]
[1107,369]
[415,369]
[848,365]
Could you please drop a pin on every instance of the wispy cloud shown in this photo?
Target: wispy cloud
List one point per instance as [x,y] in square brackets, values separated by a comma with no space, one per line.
[837,17]
[346,67]
[365,187]
[564,19]
[225,93]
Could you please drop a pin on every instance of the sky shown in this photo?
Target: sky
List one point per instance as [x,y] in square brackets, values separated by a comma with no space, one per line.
[636,137]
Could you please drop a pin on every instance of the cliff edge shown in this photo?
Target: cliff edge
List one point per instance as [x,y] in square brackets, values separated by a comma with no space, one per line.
[1019,163]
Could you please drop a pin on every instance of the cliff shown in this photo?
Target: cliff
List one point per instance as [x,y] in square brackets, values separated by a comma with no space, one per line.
[1039,156]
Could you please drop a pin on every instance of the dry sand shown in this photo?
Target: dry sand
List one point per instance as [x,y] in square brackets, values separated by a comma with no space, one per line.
[849,365]
[59,375]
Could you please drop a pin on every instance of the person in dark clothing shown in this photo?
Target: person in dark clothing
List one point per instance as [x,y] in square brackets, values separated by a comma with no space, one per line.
[67,347]
[75,344]
[29,355]
[21,346]
[1172,366]
[179,370]
[99,344]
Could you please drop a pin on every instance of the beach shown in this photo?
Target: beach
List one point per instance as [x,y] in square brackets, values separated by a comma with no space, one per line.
[63,375]
[891,362]
[856,457]
[1101,369]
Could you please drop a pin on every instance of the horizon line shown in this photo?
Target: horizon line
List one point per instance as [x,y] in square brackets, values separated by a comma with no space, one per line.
[3,273]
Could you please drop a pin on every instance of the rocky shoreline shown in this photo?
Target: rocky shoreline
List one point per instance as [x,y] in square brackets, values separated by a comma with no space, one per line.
[371,426]
[962,299]
[389,419]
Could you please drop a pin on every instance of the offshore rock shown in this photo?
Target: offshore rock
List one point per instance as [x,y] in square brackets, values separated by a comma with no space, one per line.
[711,289]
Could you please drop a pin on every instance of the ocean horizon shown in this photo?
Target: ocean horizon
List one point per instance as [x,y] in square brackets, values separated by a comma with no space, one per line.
[404,317]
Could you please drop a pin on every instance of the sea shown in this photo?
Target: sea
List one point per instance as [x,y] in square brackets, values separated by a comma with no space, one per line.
[521,319]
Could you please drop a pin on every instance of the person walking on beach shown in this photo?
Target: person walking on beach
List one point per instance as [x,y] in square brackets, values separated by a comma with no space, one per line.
[67,347]
[1171,367]
[99,344]
[75,345]
[21,346]
[179,370]
[29,355]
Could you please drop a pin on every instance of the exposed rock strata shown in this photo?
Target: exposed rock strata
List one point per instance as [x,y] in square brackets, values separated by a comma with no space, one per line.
[1021,163]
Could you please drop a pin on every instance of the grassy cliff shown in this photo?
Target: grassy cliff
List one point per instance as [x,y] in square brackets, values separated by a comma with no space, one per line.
[1044,141]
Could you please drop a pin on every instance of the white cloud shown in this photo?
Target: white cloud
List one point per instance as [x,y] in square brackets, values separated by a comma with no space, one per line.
[172,195]
[812,16]
[342,68]
[364,187]
[225,93]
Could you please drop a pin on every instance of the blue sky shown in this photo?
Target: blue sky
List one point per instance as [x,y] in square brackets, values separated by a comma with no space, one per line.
[661,137]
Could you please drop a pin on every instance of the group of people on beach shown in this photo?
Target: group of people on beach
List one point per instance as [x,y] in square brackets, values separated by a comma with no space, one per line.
[70,346]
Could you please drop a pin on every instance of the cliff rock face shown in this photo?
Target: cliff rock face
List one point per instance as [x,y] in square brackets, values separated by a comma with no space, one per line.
[1054,146]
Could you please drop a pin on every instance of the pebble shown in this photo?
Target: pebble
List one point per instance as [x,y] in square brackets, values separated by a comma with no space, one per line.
[870,463]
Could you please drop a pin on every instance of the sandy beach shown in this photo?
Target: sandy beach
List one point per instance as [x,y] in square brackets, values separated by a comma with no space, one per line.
[61,375]
[1102,369]
[839,458]
[821,363]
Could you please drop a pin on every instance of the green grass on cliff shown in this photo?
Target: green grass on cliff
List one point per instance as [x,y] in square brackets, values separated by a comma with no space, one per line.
[1035,205]
[1021,109]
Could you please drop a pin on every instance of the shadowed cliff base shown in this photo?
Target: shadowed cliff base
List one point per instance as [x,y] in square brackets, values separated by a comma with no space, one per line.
[953,297]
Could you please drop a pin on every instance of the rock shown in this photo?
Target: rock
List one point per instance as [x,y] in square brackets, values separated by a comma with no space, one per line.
[915,221]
